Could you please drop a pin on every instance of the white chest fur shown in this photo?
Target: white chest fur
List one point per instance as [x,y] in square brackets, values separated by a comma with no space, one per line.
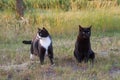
[45,42]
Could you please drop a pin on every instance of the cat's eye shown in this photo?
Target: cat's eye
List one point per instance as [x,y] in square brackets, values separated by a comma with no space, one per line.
[83,32]
[40,34]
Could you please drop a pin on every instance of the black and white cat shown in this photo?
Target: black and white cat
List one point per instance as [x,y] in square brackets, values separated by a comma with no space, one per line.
[41,45]
[83,51]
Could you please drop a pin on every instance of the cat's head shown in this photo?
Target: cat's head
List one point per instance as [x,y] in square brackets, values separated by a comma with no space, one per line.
[84,32]
[42,33]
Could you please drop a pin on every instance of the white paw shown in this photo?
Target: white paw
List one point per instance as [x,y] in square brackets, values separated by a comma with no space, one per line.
[42,66]
[53,65]
[31,56]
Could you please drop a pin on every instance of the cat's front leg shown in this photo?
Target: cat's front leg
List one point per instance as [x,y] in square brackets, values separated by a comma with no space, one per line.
[50,54]
[41,55]
[86,58]
[78,56]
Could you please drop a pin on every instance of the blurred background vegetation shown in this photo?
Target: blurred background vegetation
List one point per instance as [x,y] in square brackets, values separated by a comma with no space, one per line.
[65,5]
[60,17]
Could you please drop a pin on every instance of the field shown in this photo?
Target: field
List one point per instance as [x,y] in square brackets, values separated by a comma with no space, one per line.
[63,27]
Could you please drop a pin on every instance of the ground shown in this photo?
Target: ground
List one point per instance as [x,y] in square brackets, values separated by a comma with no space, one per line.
[15,62]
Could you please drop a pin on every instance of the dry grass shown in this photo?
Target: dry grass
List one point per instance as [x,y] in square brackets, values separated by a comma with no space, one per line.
[57,22]
[64,5]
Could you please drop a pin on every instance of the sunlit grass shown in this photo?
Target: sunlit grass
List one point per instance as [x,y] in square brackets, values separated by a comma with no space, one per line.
[64,5]
[58,22]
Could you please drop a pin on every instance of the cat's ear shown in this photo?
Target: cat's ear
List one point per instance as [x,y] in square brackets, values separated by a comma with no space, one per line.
[44,28]
[90,26]
[39,29]
[80,27]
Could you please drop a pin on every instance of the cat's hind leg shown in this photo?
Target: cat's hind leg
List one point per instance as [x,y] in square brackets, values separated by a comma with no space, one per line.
[92,57]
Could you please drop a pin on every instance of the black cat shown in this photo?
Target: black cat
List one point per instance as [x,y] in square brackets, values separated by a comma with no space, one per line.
[41,45]
[83,51]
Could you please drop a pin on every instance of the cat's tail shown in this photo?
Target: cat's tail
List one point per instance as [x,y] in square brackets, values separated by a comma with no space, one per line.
[27,42]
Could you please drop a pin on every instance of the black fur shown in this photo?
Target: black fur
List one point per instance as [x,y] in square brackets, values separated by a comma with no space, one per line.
[83,51]
[38,49]
[26,42]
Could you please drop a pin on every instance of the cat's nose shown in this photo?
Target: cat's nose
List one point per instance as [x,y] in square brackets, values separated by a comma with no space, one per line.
[84,36]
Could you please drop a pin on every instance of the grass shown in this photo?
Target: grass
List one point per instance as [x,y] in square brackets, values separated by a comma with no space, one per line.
[64,5]
[58,22]
[105,67]
[63,27]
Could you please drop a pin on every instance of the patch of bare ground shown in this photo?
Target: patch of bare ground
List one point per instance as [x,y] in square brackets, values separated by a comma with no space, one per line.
[22,66]
[114,71]
[106,45]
